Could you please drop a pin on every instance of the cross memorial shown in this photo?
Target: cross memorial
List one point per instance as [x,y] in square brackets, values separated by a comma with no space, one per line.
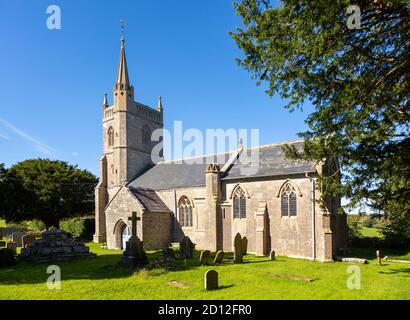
[134,220]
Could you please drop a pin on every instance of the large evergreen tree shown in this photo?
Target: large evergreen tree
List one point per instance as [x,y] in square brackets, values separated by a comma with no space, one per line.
[45,190]
[358,80]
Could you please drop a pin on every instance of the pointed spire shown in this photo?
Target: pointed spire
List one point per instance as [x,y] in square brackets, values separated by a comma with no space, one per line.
[159,106]
[105,102]
[123,81]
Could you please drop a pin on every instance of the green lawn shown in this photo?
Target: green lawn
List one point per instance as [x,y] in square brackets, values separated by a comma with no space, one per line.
[256,278]
[370,232]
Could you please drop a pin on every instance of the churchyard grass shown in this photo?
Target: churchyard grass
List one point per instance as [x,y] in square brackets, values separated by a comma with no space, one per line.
[256,278]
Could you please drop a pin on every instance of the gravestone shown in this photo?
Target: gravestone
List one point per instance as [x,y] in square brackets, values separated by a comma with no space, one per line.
[219,256]
[16,237]
[272,255]
[204,256]
[186,247]
[27,239]
[12,246]
[2,243]
[1,233]
[244,246]
[238,258]
[378,256]
[134,254]
[211,280]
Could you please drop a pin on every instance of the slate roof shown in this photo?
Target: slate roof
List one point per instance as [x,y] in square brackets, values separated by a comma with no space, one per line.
[171,174]
[149,199]
[270,162]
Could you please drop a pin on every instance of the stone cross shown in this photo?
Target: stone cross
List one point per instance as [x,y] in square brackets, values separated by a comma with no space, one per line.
[134,220]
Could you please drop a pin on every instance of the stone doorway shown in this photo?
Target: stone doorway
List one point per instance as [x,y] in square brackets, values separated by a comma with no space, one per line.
[125,236]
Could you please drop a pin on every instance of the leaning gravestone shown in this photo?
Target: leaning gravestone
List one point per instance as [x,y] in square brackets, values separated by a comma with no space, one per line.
[12,246]
[204,256]
[16,237]
[186,247]
[27,239]
[272,255]
[244,246]
[219,256]
[238,258]
[211,280]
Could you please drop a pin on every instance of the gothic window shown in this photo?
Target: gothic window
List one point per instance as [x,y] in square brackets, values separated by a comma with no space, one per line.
[110,134]
[288,201]
[185,212]
[146,135]
[239,204]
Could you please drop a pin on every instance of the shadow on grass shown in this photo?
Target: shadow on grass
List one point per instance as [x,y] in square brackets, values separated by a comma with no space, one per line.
[404,271]
[104,267]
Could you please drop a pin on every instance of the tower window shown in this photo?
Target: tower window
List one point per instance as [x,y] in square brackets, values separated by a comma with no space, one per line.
[146,135]
[110,135]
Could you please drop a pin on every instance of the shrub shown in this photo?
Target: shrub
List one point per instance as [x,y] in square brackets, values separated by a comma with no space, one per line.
[79,227]
[354,227]
[7,258]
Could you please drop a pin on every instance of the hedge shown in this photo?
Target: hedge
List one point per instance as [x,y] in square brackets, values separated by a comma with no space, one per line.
[83,227]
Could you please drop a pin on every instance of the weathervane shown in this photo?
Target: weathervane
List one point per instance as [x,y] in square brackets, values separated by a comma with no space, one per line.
[122,26]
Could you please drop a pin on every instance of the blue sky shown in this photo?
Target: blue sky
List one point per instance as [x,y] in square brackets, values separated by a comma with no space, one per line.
[52,81]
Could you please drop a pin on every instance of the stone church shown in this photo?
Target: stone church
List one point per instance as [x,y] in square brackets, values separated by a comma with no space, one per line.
[208,201]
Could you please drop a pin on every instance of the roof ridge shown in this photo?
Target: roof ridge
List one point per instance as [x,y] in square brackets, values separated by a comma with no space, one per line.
[232,151]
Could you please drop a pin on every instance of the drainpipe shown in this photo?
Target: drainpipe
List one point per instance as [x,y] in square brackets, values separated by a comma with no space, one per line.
[313,200]
[175,214]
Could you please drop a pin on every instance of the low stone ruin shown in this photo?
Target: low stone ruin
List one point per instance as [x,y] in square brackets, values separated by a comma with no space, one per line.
[55,245]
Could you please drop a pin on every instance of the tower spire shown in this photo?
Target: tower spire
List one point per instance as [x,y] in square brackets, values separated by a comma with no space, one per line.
[123,81]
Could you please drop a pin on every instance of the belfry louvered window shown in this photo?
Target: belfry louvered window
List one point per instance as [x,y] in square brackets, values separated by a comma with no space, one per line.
[288,201]
[185,212]
[239,204]
[110,134]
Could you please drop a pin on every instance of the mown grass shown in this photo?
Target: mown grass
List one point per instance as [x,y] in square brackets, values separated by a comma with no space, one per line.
[256,278]
[370,232]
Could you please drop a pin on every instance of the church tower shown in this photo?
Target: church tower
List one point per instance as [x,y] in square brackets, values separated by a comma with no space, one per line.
[127,145]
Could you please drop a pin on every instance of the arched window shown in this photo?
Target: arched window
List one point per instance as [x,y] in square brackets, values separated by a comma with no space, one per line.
[288,201]
[239,204]
[110,134]
[146,135]
[185,212]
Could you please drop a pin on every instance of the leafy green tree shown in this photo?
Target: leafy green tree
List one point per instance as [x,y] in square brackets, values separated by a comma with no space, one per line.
[357,79]
[48,191]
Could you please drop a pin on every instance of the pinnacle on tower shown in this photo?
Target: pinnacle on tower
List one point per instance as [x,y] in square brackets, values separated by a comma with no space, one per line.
[105,102]
[159,106]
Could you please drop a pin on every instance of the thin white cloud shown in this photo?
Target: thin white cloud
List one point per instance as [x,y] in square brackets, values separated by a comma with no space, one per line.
[75,153]
[37,144]
[4,136]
